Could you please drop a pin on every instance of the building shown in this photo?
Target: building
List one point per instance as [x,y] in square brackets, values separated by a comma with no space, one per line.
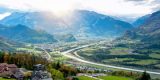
[7,70]
[40,73]
[39,67]
[18,75]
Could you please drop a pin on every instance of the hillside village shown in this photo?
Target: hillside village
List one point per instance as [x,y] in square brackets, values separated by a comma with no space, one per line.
[12,71]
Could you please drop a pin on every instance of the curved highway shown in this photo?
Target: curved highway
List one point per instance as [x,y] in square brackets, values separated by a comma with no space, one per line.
[65,53]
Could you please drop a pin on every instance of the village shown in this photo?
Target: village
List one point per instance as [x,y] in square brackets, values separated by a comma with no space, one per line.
[12,71]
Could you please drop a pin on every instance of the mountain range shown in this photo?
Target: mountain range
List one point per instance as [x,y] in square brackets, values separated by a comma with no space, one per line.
[140,21]
[45,27]
[80,23]
[148,32]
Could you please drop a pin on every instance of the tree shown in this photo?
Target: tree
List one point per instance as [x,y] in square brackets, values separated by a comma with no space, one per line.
[145,76]
[1,57]
[56,74]
[6,57]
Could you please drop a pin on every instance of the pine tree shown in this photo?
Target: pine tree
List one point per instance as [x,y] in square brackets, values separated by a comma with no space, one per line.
[145,76]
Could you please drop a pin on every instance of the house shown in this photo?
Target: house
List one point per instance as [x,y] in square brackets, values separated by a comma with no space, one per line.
[39,67]
[13,68]
[18,75]
[3,67]
[7,70]
[40,73]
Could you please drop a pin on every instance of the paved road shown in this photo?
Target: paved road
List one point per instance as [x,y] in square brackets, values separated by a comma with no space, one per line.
[66,53]
[48,56]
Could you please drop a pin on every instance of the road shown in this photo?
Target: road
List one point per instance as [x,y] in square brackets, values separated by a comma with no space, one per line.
[66,53]
[48,56]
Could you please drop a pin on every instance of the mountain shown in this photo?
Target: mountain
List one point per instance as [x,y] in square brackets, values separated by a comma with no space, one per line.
[21,33]
[80,23]
[99,24]
[66,38]
[4,45]
[149,32]
[8,45]
[140,21]
[125,18]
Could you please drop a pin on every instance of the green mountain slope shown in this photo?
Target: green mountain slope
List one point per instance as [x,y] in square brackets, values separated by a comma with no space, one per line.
[22,33]
[148,33]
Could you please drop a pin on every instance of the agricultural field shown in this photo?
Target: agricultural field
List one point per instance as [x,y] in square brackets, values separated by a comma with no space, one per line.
[6,79]
[120,51]
[105,78]
[114,78]
[28,50]
[56,56]
[85,78]
[122,56]
[155,55]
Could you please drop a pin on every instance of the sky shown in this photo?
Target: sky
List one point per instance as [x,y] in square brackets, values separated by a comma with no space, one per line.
[127,8]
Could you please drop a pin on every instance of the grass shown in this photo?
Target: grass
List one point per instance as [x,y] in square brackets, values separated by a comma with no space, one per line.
[57,56]
[145,62]
[6,79]
[85,78]
[119,60]
[157,65]
[114,78]
[28,49]
[154,55]
[119,51]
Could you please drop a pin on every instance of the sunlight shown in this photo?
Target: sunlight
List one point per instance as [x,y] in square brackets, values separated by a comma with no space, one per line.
[2,16]
[60,8]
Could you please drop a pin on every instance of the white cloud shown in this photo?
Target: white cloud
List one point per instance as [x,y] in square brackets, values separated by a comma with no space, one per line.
[109,7]
[4,15]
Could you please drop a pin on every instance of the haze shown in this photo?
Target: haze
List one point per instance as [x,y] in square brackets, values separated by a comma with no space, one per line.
[129,8]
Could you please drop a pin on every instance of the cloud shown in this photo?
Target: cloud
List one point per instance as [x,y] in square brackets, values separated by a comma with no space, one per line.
[156,4]
[108,7]
[136,0]
[3,15]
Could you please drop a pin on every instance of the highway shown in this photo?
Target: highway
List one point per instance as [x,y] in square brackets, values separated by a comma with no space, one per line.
[66,53]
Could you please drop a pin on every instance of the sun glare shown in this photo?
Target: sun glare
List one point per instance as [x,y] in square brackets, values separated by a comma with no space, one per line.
[60,8]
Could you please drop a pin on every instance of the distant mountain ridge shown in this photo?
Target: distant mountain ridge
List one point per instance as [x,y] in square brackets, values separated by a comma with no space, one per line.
[140,21]
[83,23]
[149,32]
[101,25]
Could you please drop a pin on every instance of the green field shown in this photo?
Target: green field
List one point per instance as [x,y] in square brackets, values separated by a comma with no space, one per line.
[28,50]
[85,78]
[121,56]
[145,62]
[154,55]
[119,51]
[6,79]
[114,78]
[118,59]
[56,56]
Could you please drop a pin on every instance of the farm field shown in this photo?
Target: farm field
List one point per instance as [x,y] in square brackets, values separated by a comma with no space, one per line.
[114,78]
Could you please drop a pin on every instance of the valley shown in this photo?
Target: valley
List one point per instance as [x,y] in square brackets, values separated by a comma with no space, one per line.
[117,58]
[80,44]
